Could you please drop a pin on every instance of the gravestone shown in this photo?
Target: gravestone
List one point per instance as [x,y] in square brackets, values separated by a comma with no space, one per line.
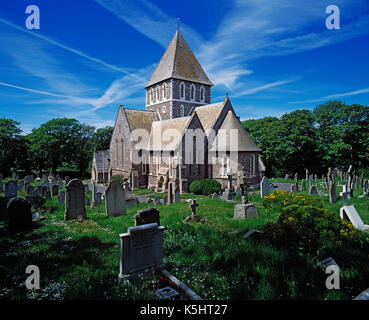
[141,249]
[350,213]
[55,190]
[26,185]
[332,193]
[93,195]
[19,215]
[228,194]
[366,186]
[306,174]
[98,199]
[170,193]
[214,196]
[157,199]
[14,175]
[345,195]
[67,180]
[115,201]
[193,217]
[165,199]
[266,188]
[293,188]
[11,189]
[61,197]
[150,215]
[177,195]
[286,177]
[75,200]
[312,190]
[303,185]
[87,189]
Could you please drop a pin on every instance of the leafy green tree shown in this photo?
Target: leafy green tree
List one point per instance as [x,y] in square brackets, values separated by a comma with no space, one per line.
[101,138]
[12,145]
[59,142]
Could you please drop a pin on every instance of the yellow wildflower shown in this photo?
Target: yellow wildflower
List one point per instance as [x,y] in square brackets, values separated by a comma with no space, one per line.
[291,219]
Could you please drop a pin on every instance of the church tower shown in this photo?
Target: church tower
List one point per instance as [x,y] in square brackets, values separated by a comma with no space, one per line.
[179,84]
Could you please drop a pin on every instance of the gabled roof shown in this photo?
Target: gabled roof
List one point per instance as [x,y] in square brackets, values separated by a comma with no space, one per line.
[140,119]
[179,62]
[232,136]
[166,135]
[101,160]
[209,114]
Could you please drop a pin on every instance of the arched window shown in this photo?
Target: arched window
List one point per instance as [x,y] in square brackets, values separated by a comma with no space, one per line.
[165,91]
[157,93]
[181,111]
[182,90]
[192,92]
[202,93]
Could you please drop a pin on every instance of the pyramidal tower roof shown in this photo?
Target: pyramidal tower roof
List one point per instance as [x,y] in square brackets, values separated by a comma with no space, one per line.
[179,62]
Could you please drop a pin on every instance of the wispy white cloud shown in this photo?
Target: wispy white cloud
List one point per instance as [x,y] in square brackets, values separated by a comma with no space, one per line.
[262,88]
[334,96]
[59,44]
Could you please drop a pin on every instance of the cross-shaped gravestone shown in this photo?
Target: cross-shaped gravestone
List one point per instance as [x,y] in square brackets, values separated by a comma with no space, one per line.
[193,207]
[345,194]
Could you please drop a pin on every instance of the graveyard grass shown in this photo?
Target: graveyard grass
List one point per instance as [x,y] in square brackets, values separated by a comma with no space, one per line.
[80,260]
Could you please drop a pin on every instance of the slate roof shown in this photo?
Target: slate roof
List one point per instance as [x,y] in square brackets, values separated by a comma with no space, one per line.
[101,160]
[140,119]
[233,136]
[171,132]
[209,114]
[179,62]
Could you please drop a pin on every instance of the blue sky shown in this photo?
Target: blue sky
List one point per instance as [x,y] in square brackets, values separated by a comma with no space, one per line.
[90,56]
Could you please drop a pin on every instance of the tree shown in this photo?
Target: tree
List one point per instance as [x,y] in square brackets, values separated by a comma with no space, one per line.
[59,142]
[12,146]
[101,138]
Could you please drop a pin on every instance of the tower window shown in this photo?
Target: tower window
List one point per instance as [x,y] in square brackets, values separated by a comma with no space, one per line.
[192,92]
[182,90]
[202,95]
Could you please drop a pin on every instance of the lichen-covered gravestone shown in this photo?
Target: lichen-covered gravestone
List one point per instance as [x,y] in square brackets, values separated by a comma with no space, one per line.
[115,200]
[19,215]
[75,200]
[150,215]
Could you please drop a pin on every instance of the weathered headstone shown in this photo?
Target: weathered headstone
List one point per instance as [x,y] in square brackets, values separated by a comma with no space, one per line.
[332,193]
[303,185]
[312,190]
[61,197]
[87,189]
[150,215]
[87,201]
[345,195]
[177,195]
[19,215]
[115,202]
[75,200]
[170,193]
[44,190]
[350,213]
[98,199]
[141,249]
[165,199]
[266,188]
[11,189]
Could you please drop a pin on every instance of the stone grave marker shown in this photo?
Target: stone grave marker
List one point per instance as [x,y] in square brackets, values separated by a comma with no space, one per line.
[170,193]
[87,189]
[165,199]
[44,190]
[303,185]
[87,201]
[75,200]
[11,189]
[266,188]
[61,197]
[150,215]
[332,193]
[177,195]
[312,190]
[98,199]
[19,215]
[141,249]
[350,213]
[36,193]
[115,199]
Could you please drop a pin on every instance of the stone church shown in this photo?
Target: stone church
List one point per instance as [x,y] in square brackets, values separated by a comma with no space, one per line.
[181,136]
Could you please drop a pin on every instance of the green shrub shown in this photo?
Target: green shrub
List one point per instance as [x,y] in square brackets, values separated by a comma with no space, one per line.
[205,186]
